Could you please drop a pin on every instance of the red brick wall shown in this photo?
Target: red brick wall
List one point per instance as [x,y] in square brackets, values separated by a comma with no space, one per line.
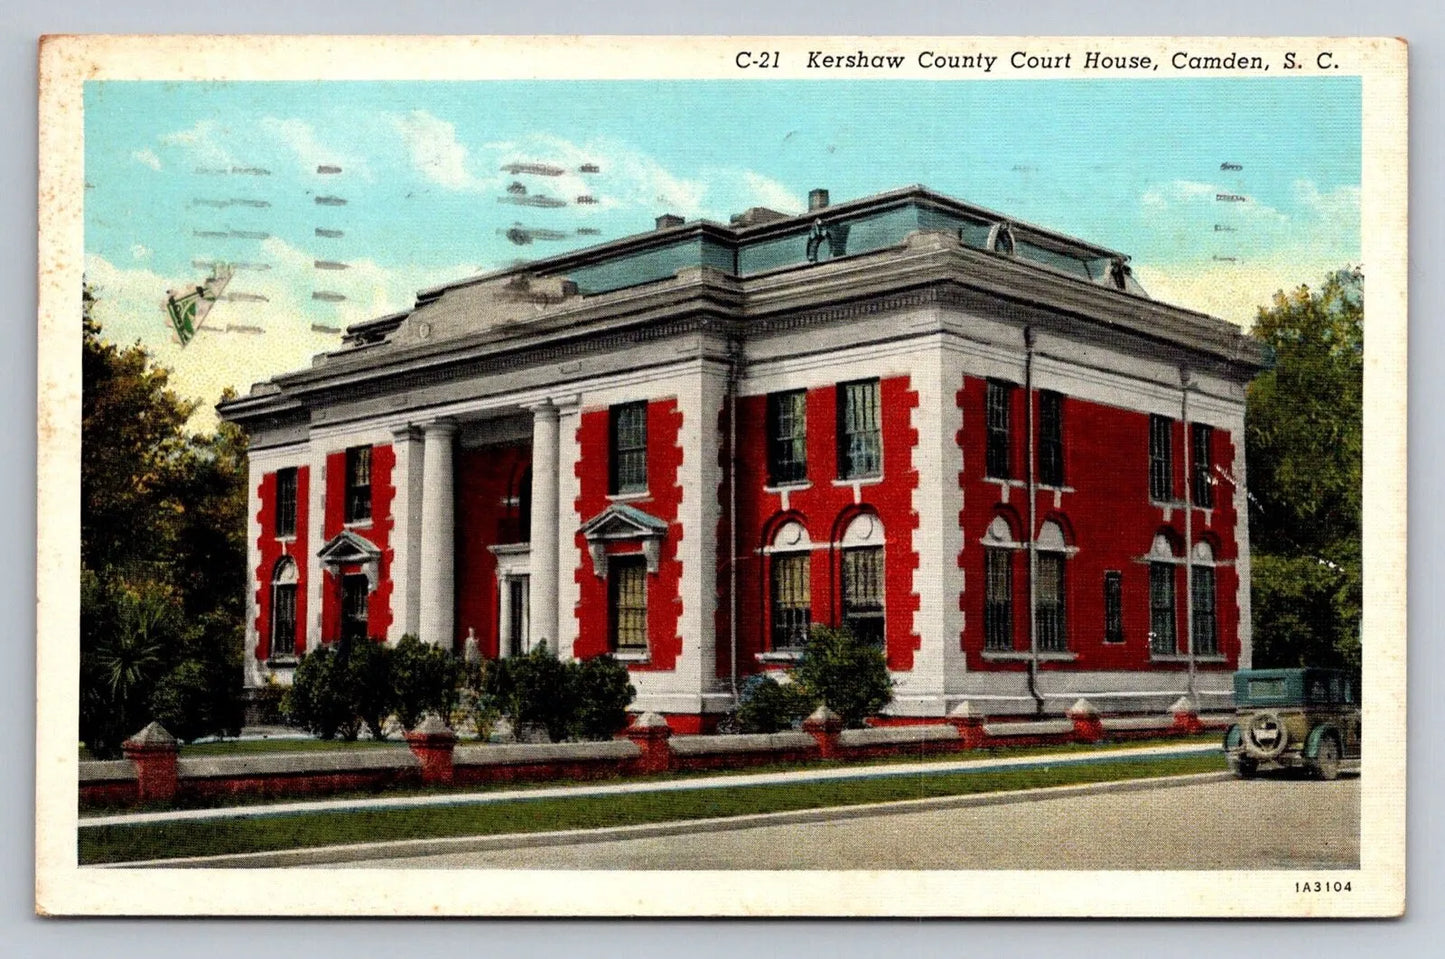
[824,509]
[662,500]
[377,530]
[488,480]
[271,550]
[1108,516]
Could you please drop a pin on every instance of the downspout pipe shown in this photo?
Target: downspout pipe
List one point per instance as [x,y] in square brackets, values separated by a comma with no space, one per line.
[1185,382]
[735,360]
[1030,472]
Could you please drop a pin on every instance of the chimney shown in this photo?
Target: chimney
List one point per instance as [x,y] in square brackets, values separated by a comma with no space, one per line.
[669,220]
[817,200]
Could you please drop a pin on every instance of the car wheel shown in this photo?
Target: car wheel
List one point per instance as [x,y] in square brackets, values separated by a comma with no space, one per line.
[1264,736]
[1327,759]
[1243,767]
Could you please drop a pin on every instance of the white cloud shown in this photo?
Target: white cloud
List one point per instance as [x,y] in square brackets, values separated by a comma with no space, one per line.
[300,137]
[200,144]
[1235,291]
[1341,203]
[435,151]
[147,157]
[140,251]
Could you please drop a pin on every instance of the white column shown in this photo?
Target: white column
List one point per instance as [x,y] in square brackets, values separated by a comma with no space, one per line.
[504,616]
[438,598]
[406,538]
[543,599]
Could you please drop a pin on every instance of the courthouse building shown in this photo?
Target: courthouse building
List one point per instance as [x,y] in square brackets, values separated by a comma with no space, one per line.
[976,442]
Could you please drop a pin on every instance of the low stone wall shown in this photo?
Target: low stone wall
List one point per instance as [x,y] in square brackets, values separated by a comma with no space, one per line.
[154,771]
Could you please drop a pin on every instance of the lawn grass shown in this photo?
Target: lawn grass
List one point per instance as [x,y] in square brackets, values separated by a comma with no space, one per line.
[91,807]
[108,844]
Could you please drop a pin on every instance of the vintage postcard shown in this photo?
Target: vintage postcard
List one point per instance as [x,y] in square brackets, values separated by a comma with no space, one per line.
[636,476]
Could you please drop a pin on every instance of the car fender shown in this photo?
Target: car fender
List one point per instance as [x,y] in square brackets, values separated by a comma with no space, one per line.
[1233,738]
[1312,741]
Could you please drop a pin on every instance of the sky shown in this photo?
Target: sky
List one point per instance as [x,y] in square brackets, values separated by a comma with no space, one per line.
[179,175]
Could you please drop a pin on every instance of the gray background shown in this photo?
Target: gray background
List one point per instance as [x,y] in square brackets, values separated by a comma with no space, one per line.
[23,935]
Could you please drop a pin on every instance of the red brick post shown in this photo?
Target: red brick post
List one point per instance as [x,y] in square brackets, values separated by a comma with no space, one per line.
[1186,716]
[968,720]
[154,752]
[650,733]
[1088,728]
[824,725]
[432,742]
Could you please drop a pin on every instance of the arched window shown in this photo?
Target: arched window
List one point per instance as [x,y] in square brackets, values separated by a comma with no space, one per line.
[1206,627]
[791,592]
[283,608]
[998,553]
[1049,590]
[861,577]
[1163,609]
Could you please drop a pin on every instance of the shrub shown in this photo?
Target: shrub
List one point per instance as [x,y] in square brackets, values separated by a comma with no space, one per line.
[182,702]
[768,706]
[476,704]
[367,679]
[850,675]
[599,692]
[317,700]
[424,680]
[532,690]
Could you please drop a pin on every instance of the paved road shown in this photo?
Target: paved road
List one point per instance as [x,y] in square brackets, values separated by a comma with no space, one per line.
[1257,824]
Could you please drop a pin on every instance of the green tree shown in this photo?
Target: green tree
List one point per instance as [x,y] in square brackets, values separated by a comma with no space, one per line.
[1304,443]
[163,519]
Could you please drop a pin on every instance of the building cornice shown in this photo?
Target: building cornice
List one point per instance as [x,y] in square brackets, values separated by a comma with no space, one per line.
[929,269]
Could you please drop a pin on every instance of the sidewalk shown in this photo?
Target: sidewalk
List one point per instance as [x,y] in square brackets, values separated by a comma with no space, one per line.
[671,785]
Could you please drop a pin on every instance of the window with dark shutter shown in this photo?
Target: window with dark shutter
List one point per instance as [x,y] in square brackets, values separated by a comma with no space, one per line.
[1053,634]
[863,593]
[860,432]
[1206,631]
[1113,607]
[1161,459]
[354,590]
[286,502]
[787,437]
[358,484]
[999,418]
[1051,438]
[792,600]
[627,588]
[629,448]
[998,599]
[1162,618]
[1202,461]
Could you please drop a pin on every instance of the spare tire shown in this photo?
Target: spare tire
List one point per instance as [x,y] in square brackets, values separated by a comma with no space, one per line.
[1264,735]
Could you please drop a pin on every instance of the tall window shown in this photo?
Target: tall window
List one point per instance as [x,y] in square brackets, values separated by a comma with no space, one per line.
[1206,627]
[1162,618]
[354,589]
[358,484]
[1113,607]
[629,448]
[792,600]
[1161,459]
[863,593]
[1050,590]
[283,609]
[998,412]
[1202,461]
[998,624]
[787,437]
[627,586]
[286,502]
[860,432]
[1051,438]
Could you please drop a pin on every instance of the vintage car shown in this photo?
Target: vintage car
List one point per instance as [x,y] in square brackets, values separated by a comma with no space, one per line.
[1294,719]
